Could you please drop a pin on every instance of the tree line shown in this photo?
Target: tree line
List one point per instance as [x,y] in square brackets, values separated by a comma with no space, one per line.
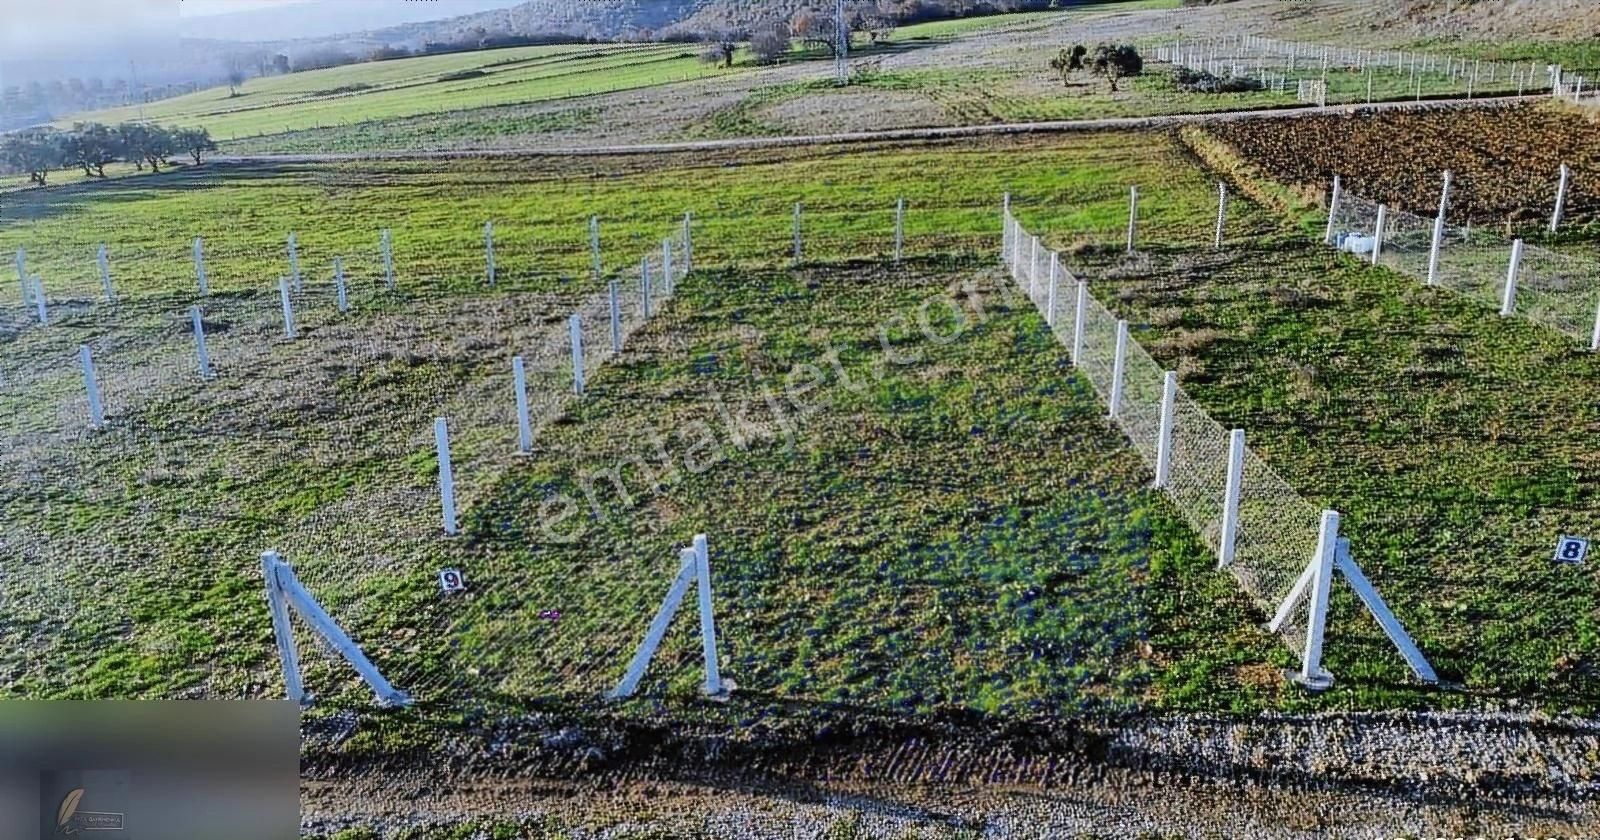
[36,152]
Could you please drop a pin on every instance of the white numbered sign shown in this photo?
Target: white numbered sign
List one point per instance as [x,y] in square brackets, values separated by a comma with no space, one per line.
[450,580]
[1571,549]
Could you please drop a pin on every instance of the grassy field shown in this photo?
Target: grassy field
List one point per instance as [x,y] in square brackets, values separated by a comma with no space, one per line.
[383,90]
[958,533]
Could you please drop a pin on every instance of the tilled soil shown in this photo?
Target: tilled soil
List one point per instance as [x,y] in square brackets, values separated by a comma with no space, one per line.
[1359,775]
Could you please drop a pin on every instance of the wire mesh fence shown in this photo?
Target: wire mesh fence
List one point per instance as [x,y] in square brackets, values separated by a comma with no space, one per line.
[1276,530]
[1558,290]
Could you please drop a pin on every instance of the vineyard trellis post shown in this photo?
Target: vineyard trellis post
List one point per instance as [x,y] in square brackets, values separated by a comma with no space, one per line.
[666,267]
[284,591]
[1118,370]
[104,261]
[1508,299]
[797,251]
[594,245]
[1561,198]
[1333,209]
[575,331]
[694,566]
[1594,336]
[288,307]
[1169,404]
[201,355]
[91,385]
[644,287]
[519,381]
[1050,294]
[1133,215]
[1438,230]
[1311,673]
[688,244]
[447,478]
[1033,270]
[200,265]
[1230,499]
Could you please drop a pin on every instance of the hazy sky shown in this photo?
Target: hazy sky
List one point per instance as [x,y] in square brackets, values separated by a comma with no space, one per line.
[203,8]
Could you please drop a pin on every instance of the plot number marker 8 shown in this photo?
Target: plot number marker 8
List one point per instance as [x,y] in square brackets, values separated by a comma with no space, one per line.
[1571,549]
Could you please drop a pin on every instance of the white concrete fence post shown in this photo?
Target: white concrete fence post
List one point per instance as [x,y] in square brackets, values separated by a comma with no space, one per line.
[1077,323]
[40,302]
[519,380]
[91,385]
[614,298]
[201,354]
[338,284]
[386,244]
[1508,297]
[594,245]
[1312,675]
[1438,230]
[488,250]
[1333,209]
[106,288]
[899,229]
[1033,271]
[1377,232]
[1118,369]
[447,478]
[666,267]
[1227,542]
[1594,336]
[288,307]
[200,265]
[688,244]
[1222,214]
[1169,407]
[708,624]
[294,261]
[1050,294]
[575,329]
[1561,198]
[1133,215]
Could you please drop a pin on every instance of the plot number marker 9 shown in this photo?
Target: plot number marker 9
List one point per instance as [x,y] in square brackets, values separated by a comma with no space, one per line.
[450,580]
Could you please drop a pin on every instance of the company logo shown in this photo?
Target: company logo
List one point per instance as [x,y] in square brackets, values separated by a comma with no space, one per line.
[70,820]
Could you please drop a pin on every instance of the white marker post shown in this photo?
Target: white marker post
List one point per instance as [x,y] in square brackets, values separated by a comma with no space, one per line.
[666,267]
[338,284]
[1169,405]
[1508,298]
[294,261]
[488,250]
[1230,499]
[519,379]
[1222,214]
[200,265]
[1438,231]
[594,245]
[201,355]
[1377,232]
[1594,336]
[288,307]
[105,274]
[1118,367]
[616,319]
[39,303]
[1033,272]
[1333,209]
[575,327]
[1133,215]
[447,479]
[386,245]
[1561,198]
[97,414]
[688,244]
[899,229]
[1077,323]
[708,625]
